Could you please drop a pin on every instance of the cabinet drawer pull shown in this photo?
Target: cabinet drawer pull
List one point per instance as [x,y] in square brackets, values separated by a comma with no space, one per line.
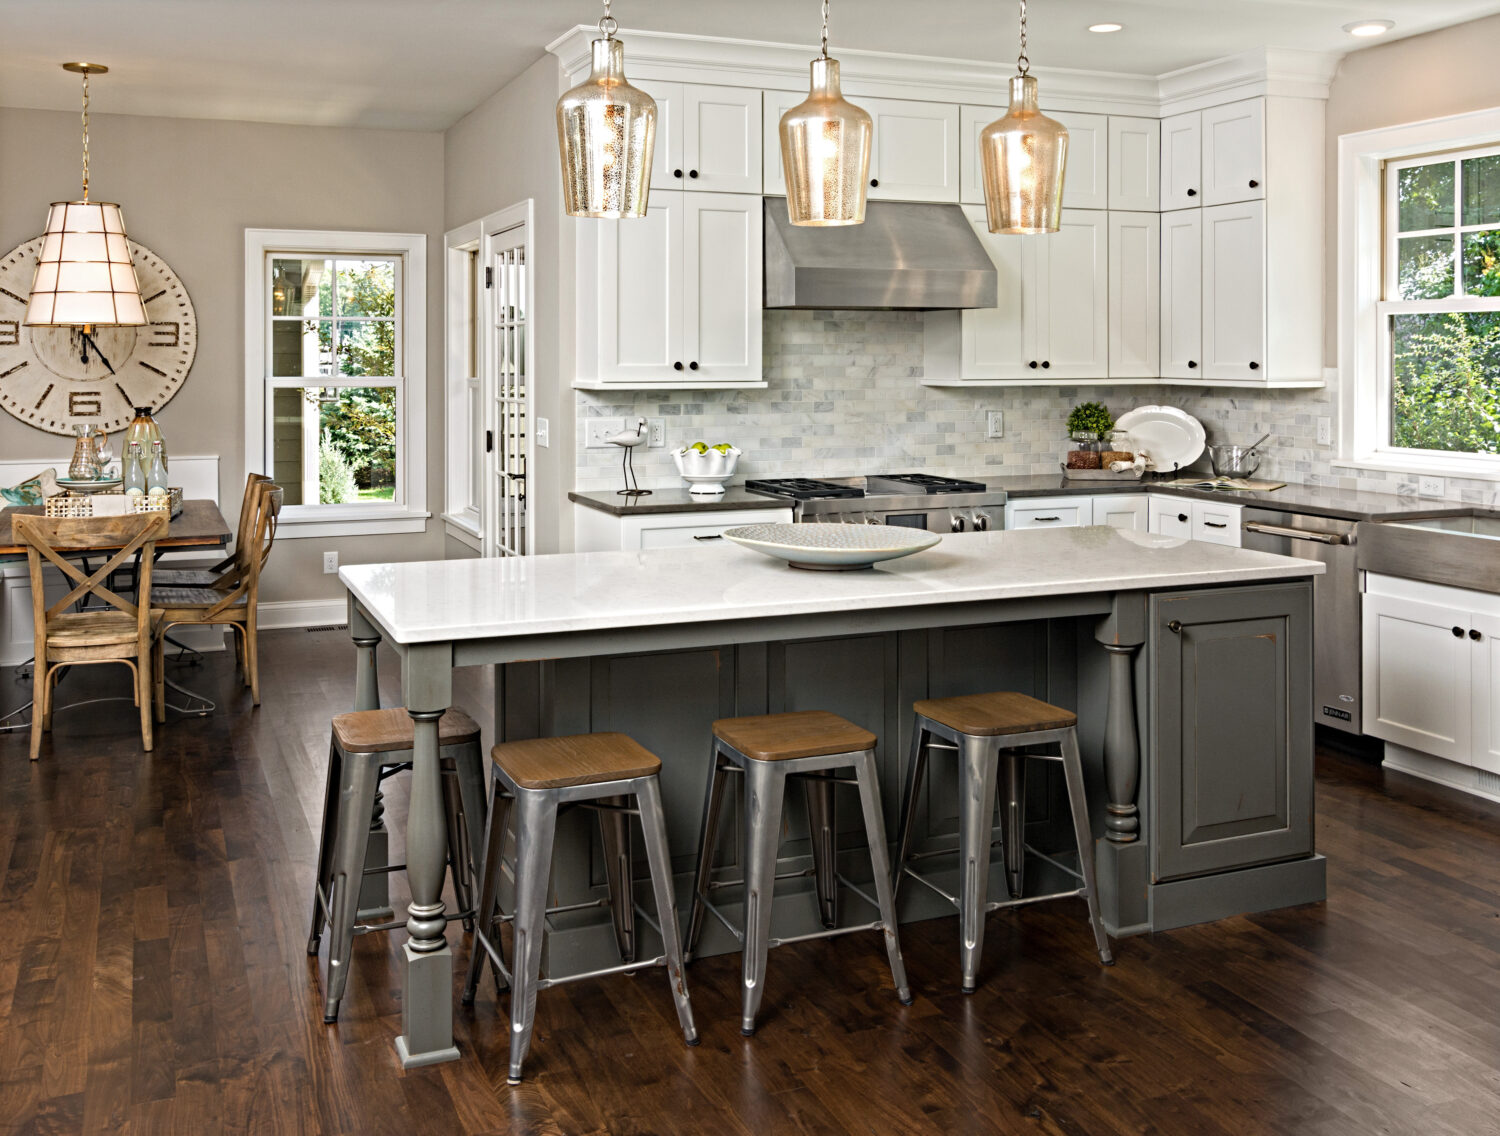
[1458,633]
[1214,525]
[1175,627]
[1475,635]
[1192,364]
[1192,193]
[1046,518]
[711,536]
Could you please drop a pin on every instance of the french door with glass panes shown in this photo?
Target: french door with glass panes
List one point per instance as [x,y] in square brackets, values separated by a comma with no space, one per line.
[505,307]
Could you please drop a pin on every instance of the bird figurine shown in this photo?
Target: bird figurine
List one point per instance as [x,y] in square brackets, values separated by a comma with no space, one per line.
[628,439]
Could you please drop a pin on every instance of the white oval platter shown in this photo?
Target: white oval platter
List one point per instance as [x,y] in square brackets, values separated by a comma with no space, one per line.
[1172,438]
[831,547]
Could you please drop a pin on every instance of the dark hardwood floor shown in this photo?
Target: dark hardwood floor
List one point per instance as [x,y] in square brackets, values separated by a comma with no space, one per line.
[153,975]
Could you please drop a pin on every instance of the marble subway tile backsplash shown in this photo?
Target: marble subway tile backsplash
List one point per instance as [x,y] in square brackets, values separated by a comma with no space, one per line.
[844,398]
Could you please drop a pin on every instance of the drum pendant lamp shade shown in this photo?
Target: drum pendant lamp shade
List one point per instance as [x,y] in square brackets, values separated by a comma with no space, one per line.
[84,275]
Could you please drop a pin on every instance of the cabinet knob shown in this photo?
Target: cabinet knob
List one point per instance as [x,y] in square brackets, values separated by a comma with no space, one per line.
[1033,364]
[1182,517]
[1254,184]
[692,173]
[676,366]
[1255,366]
[693,366]
[1192,364]
[1192,193]
[1458,633]
[1475,635]
[676,173]
[1046,363]
[1175,626]
[874,183]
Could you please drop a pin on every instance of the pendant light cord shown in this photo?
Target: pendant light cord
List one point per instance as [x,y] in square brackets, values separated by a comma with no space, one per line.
[85,136]
[1023,64]
[608,26]
[825,29]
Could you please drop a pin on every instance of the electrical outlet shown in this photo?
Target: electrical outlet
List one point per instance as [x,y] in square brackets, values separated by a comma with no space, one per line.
[1325,431]
[597,431]
[994,424]
[542,437]
[1431,487]
[330,563]
[657,427]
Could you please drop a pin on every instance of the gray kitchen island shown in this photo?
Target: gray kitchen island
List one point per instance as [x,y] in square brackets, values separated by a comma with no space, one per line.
[1188,664]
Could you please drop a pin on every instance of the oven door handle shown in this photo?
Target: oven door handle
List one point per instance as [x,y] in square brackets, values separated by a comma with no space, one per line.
[1298,534]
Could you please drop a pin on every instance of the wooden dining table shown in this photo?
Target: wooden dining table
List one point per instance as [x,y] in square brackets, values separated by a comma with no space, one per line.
[199,527]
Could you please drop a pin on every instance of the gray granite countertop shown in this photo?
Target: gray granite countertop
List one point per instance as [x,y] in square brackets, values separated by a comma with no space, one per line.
[673,501]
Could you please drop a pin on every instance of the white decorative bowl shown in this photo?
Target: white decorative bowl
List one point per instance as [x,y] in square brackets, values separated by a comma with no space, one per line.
[831,547]
[706,474]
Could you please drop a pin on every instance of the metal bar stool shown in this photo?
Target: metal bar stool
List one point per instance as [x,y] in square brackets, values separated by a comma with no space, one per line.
[367,747]
[766,750]
[534,779]
[987,732]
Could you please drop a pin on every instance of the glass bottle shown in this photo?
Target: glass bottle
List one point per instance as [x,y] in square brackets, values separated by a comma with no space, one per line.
[135,475]
[143,429]
[156,473]
[83,466]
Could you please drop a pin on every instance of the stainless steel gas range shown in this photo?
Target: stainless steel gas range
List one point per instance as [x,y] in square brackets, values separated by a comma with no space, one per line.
[913,500]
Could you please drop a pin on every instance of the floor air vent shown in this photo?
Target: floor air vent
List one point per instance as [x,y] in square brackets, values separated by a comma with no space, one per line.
[1487,782]
[329,627]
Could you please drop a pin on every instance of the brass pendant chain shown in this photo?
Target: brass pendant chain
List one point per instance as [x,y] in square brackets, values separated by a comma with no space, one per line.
[85,136]
[1023,64]
[825,29]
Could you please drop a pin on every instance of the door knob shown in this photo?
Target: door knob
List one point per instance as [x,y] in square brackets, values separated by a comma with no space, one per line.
[1175,627]
[1458,633]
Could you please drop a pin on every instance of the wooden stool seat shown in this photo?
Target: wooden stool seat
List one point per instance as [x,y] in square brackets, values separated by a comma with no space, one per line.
[998,712]
[582,759]
[784,737]
[385,731]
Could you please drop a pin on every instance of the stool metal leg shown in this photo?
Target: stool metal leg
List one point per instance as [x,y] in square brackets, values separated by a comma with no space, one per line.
[324,878]
[765,790]
[619,872]
[823,836]
[916,766]
[486,928]
[976,792]
[1073,772]
[356,799]
[708,840]
[1013,783]
[869,800]
[654,828]
[458,852]
[470,768]
[536,824]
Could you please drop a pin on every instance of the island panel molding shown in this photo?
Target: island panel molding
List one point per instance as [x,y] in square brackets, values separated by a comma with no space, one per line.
[54,378]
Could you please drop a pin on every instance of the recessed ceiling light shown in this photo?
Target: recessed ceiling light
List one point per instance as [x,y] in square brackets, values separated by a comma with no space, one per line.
[1364,29]
[1105,27]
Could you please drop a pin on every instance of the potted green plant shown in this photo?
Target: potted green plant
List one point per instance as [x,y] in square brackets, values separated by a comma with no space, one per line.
[1090,422]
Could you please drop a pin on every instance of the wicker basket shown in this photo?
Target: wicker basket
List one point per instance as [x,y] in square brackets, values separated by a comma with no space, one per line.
[82,504]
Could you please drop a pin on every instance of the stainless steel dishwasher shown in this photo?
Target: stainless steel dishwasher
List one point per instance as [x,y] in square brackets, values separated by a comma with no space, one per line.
[1336,614]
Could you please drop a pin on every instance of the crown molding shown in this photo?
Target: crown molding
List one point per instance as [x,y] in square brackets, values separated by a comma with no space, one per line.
[669,57]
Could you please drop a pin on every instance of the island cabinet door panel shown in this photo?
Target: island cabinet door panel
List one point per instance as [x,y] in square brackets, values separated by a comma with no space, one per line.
[1072,285]
[640,293]
[1418,675]
[722,286]
[1231,746]
[1485,672]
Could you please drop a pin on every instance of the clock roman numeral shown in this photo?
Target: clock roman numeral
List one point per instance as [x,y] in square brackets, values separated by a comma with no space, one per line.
[165,334]
[158,296]
[12,371]
[123,395]
[10,333]
[84,404]
[43,399]
[12,295]
[153,370]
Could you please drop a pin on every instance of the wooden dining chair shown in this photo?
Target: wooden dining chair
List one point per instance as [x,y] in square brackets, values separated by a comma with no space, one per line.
[232,599]
[209,577]
[121,632]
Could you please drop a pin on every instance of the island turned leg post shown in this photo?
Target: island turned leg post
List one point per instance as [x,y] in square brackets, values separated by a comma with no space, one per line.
[427,996]
[374,890]
[1122,751]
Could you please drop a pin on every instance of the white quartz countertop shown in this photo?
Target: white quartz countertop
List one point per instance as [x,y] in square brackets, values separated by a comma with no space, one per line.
[438,600]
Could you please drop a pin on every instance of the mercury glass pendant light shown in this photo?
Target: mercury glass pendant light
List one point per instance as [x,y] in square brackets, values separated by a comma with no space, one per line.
[825,150]
[84,275]
[1024,155]
[606,133]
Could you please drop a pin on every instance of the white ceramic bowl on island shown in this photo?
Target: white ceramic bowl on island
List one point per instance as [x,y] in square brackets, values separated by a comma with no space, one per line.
[706,472]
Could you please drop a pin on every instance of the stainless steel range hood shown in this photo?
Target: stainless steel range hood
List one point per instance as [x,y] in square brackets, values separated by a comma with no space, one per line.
[905,255]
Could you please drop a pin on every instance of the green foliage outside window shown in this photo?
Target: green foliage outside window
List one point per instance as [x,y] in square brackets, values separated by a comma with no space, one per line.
[1446,394]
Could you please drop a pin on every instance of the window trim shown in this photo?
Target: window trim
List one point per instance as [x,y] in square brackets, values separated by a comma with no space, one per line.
[462,518]
[1364,348]
[411,515]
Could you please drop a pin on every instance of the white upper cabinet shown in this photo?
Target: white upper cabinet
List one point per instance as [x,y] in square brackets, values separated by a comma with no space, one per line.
[1234,152]
[914,154]
[1134,295]
[1085,185]
[1134,163]
[774,104]
[1071,316]
[997,342]
[721,322]
[1182,161]
[707,137]
[639,290]
[1234,292]
[1182,294]
[971,123]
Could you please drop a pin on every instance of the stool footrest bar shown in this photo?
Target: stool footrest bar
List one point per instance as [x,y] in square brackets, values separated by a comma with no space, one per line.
[1025,901]
[827,933]
[925,882]
[622,968]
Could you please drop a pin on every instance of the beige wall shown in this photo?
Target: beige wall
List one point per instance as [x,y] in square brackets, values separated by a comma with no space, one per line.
[498,155]
[189,189]
[1445,72]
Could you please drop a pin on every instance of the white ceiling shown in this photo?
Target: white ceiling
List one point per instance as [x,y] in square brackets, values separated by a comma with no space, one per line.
[423,64]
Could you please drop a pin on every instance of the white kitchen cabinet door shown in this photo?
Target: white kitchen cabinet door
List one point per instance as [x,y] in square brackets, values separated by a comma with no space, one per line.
[971,122]
[1071,315]
[1134,295]
[774,104]
[1417,676]
[914,153]
[1182,294]
[1234,152]
[721,139]
[595,531]
[996,342]
[1216,524]
[721,320]
[1182,161]
[1121,511]
[1086,183]
[1049,512]
[1170,516]
[640,293]
[1134,163]
[1234,292]
[667,170]
[1484,673]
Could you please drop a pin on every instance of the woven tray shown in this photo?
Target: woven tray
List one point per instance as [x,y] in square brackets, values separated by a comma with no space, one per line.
[68,504]
[1102,474]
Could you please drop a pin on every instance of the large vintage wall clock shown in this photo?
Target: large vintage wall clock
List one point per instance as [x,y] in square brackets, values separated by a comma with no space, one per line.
[55,377]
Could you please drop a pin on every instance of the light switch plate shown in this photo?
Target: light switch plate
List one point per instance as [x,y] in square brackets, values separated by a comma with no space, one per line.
[597,431]
[543,433]
[994,424]
[1431,487]
[1325,431]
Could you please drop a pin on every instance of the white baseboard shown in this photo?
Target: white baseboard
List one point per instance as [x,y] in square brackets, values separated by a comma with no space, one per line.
[302,613]
[1465,778]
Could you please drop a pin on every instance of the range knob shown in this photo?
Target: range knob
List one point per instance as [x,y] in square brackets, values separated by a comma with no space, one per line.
[872,520]
[959,524]
[981,522]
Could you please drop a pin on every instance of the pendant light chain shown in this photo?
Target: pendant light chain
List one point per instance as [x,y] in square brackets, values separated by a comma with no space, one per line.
[85,136]
[1023,64]
[825,29]
[608,24]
